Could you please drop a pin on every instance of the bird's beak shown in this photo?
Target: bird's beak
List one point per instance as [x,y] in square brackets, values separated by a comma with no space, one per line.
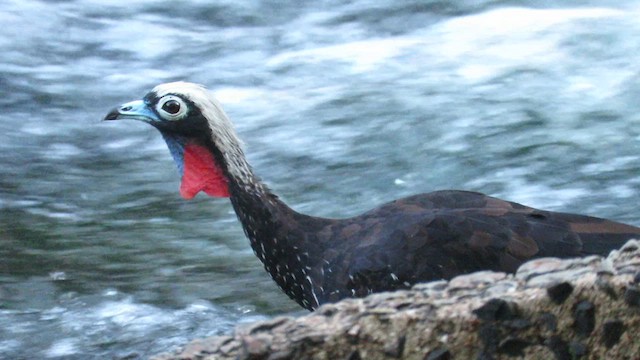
[134,110]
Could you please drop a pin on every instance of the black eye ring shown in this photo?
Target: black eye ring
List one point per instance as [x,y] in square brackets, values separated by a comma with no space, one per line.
[171,107]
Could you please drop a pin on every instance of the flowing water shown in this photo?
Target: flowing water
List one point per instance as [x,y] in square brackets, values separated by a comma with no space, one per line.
[342,104]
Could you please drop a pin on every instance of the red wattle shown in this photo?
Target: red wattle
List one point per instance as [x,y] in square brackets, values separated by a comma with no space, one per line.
[202,173]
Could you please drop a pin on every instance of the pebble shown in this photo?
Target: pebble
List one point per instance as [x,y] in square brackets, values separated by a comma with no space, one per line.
[584,318]
[497,310]
[632,296]
[513,346]
[611,332]
[560,292]
[439,354]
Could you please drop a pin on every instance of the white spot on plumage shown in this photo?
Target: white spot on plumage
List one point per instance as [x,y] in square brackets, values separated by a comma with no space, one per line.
[313,293]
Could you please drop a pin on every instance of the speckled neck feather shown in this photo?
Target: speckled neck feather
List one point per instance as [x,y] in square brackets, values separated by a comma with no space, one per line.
[276,235]
[271,226]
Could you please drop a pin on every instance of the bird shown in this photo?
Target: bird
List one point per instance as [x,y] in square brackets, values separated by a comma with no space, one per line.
[315,260]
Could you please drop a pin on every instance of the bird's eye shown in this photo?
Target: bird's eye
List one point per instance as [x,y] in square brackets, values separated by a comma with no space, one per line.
[171,107]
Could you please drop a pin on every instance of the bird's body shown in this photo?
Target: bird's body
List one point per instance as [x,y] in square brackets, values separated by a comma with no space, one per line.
[316,260]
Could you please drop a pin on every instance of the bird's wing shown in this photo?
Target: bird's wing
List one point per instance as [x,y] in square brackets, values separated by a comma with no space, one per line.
[445,234]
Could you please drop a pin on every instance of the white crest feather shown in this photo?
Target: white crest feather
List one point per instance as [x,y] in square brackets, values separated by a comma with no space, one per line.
[224,135]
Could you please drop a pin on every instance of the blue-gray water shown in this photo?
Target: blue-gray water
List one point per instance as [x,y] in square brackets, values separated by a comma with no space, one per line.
[342,105]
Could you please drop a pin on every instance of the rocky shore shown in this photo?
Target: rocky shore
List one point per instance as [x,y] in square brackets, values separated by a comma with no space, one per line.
[585,308]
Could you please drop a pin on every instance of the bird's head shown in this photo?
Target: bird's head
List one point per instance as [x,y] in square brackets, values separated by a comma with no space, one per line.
[199,135]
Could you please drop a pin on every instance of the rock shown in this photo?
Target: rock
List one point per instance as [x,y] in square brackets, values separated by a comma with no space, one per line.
[611,332]
[439,354]
[560,292]
[551,308]
[584,318]
[632,296]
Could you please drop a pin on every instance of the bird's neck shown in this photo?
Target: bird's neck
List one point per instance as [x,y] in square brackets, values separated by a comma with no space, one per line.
[285,241]
[288,243]
[266,220]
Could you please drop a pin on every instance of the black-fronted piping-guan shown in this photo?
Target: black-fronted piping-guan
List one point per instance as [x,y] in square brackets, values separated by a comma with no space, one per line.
[317,260]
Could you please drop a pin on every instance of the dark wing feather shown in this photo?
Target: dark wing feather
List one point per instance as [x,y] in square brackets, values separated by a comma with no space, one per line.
[444,234]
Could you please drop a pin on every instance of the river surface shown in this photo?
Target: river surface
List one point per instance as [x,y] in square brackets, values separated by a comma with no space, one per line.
[343,105]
